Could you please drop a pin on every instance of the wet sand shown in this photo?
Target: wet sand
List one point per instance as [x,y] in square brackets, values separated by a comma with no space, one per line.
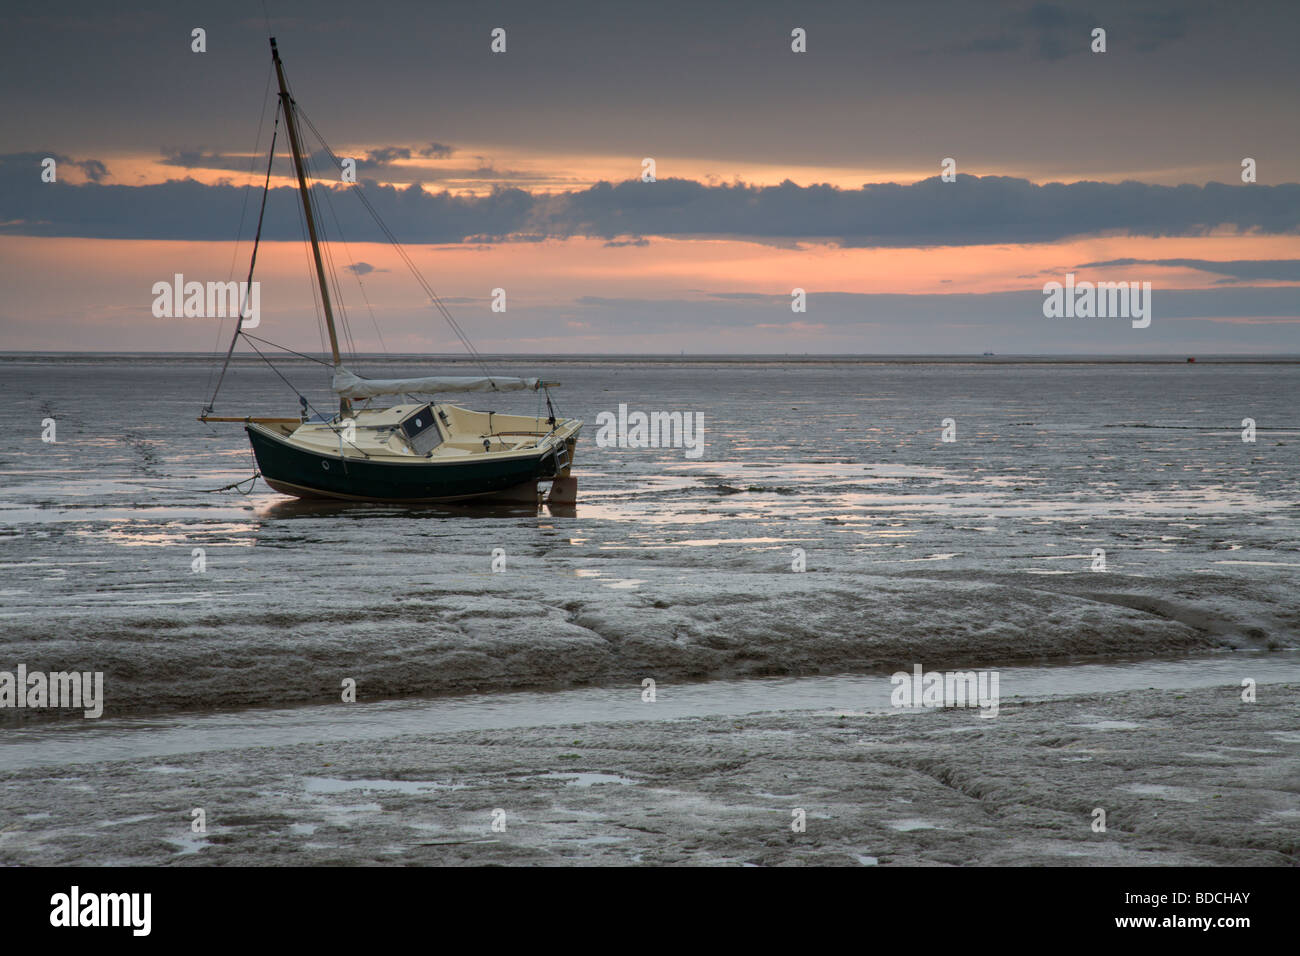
[977,553]
[557,619]
[1101,512]
[1186,777]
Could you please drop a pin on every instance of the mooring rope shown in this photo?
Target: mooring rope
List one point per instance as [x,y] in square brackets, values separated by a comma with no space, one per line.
[234,484]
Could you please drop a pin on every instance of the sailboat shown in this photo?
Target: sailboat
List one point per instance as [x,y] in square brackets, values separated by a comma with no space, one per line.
[419,450]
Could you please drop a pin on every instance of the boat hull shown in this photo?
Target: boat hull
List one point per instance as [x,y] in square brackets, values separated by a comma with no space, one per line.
[292,470]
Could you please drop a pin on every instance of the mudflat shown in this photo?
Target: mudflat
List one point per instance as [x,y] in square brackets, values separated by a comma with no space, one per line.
[1195,777]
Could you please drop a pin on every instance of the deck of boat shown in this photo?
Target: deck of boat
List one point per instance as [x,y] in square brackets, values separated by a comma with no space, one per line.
[377,434]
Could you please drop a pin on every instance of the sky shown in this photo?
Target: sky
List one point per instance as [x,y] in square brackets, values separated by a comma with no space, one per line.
[774,171]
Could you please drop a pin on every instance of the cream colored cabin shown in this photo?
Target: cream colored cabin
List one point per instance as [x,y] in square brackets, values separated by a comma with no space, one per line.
[460,433]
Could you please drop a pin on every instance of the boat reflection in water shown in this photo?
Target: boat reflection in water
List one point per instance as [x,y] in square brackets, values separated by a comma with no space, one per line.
[290,508]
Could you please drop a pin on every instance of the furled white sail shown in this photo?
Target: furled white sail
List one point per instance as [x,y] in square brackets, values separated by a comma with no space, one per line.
[349,385]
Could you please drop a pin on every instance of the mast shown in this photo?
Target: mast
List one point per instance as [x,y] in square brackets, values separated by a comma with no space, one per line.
[291,123]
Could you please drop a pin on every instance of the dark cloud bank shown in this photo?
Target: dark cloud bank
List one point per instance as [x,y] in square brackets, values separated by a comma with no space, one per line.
[973,210]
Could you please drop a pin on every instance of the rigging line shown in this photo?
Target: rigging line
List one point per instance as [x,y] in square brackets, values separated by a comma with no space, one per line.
[243,209]
[309,169]
[302,231]
[311,280]
[307,403]
[347,249]
[292,387]
[252,163]
[428,290]
[369,308]
[284,348]
[344,318]
[438,303]
[550,410]
[325,244]
[555,406]
[252,263]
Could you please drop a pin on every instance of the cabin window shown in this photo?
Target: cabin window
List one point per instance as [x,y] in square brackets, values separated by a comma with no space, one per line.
[421,431]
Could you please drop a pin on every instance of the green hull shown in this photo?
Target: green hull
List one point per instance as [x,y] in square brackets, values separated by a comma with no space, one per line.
[295,471]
